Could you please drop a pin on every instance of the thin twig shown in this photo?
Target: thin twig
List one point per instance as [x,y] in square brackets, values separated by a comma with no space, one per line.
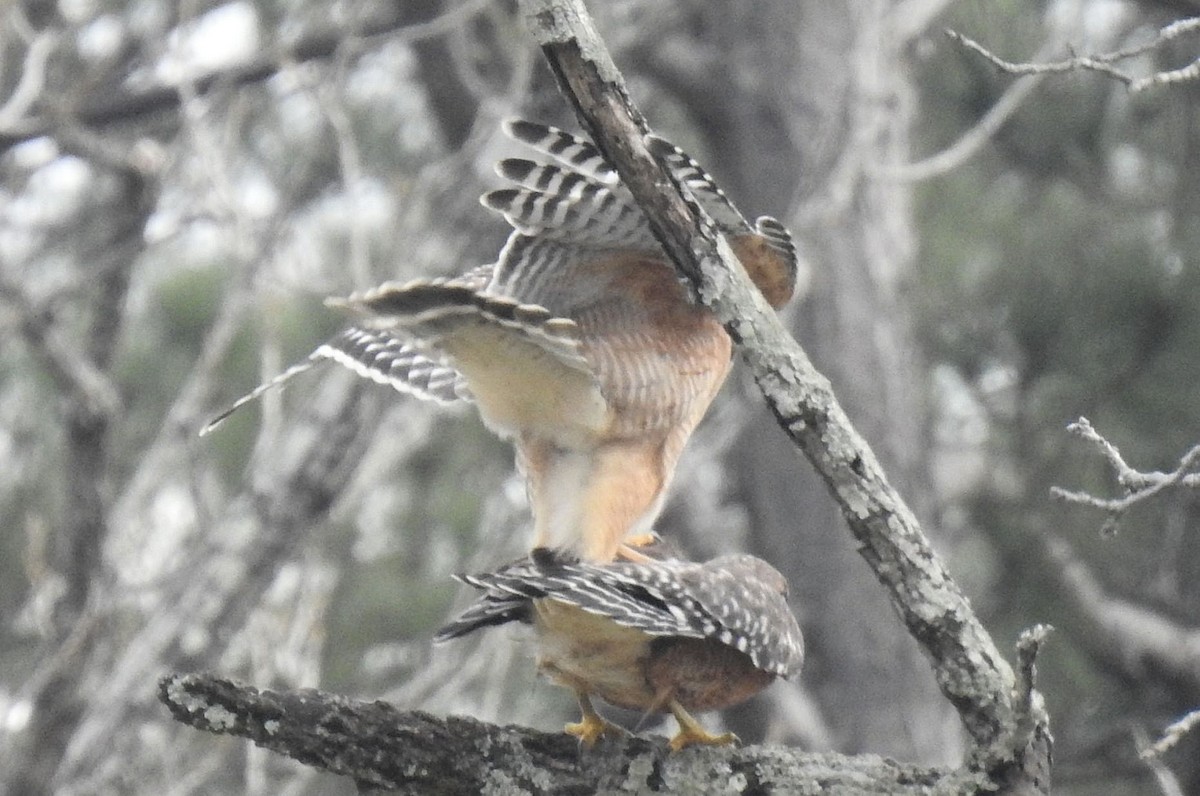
[1138,486]
[1168,783]
[33,78]
[122,106]
[1171,735]
[1072,64]
[972,141]
[1101,62]
[67,362]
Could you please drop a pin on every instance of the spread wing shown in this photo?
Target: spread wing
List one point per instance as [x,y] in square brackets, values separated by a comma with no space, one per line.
[524,365]
[581,298]
[582,249]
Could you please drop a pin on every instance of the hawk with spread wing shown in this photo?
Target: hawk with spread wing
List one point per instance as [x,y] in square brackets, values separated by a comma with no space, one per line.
[657,636]
[579,344]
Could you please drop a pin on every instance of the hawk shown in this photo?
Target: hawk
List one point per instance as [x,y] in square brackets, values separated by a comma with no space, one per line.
[657,636]
[579,344]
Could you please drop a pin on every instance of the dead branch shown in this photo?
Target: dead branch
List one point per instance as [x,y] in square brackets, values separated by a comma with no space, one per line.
[120,104]
[1171,735]
[1104,63]
[972,141]
[1137,486]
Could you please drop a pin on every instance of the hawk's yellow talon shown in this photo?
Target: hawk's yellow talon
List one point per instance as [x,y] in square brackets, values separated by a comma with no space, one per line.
[592,727]
[692,734]
[686,738]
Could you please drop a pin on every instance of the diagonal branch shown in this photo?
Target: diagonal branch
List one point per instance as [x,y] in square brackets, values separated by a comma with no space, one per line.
[1171,735]
[973,140]
[1123,635]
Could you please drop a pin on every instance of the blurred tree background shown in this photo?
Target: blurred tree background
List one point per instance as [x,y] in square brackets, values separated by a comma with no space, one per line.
[183,183]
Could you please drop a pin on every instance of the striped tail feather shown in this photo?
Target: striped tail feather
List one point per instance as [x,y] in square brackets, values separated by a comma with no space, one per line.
[278,381]
[600,218]
[374,355]
[488,611]
[393,362]
[777,237]
[583,194]
[595,589]
[699,183]
[575,153]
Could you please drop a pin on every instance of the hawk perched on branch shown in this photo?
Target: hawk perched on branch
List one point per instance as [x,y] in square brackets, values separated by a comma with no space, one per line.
[655,636]
[580,343]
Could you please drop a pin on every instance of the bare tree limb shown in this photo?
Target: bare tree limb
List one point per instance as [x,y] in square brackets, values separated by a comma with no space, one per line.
[1029,645]
[120,104]
[973,140]
[33,78]
[67,364]
[384,748]
[1127,637]
[292,496]
[1137,486]
[1172,735]
[83,364]
[1168,783]
[1104,63]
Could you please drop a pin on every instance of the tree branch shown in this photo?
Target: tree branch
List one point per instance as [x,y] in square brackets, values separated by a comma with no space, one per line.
[1138,486]
[120,104]
[1172,735]
[972,141]
[1103,62]
[1128,637]
[384,748]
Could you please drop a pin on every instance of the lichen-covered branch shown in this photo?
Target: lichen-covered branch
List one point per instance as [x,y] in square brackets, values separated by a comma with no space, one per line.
[385,748]
[970,670]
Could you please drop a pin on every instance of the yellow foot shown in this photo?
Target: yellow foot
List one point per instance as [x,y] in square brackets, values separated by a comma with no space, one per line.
[592,728]
[692,733]
[693,736]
